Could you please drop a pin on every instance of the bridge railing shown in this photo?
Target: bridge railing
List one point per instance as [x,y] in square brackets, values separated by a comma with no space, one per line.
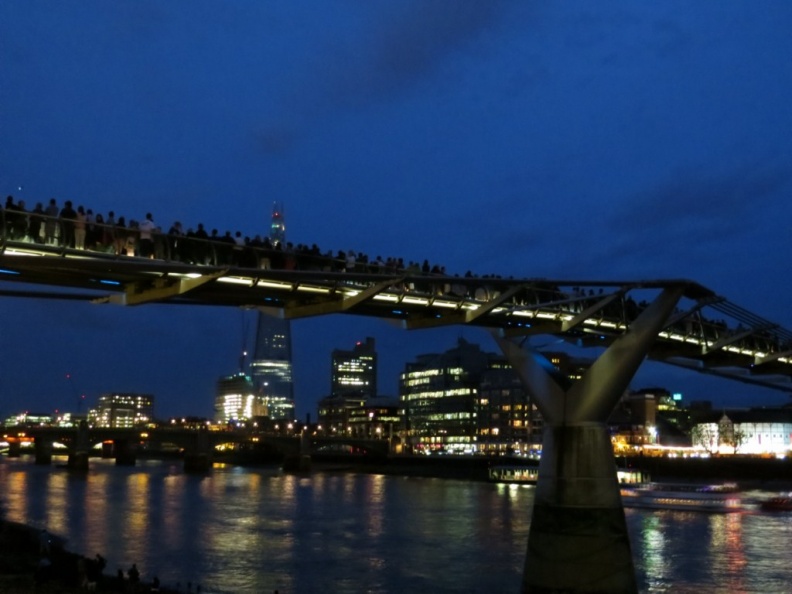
[60,235]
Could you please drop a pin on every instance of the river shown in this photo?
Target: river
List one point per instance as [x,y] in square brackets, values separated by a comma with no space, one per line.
[253,530]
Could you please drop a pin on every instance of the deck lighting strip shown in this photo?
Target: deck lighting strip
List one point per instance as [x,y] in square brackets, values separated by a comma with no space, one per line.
[274,285]
[235,280]
[312,289]
[21,252]
[415,300]
[447,304]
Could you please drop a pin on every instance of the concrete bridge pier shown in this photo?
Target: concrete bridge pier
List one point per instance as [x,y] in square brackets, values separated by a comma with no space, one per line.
[197,454]
[79,451]
[14,448]
[43,451]
[125,451]
[299,461]
[108,450]
[78,460]
[578,540]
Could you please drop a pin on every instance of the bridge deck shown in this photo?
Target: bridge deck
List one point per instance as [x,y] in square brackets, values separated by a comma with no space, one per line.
[706,334]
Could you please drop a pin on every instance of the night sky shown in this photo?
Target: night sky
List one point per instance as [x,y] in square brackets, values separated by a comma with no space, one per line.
[589,140]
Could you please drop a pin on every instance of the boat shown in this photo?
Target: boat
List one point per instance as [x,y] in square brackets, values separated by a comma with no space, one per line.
[777,504]
[515,473]
[722,498]
[507,473]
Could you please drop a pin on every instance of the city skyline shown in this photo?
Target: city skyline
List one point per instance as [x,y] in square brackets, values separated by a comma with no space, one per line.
[571,141]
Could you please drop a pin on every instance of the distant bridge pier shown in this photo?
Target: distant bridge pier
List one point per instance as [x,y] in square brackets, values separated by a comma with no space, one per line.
[299,461]
[578,540]
[80,449]
[108,450]
[43,451]
[198,453]
[125,452]
[14,448]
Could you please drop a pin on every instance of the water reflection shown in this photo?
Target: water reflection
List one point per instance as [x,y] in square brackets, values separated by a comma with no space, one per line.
[257,530]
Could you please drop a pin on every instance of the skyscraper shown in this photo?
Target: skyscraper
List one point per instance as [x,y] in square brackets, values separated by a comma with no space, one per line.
[353,383]
[355,371]
[277,232]
[271,366]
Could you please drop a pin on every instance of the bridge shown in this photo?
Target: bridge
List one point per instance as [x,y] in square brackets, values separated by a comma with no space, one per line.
[578,539]
[196,445]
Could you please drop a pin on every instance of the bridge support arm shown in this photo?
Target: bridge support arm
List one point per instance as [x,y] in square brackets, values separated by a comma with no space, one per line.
[578,540]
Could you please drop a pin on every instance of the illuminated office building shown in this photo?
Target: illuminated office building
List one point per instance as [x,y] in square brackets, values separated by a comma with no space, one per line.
[335,412]
[271,366]
[29,419]
[236,399]
[439,395]
[353,382]
[376,418]
[508,420]
[469,401]
[122,410]
[354,372]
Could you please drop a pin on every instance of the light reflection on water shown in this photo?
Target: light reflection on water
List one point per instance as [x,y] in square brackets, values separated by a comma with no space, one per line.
[257,530]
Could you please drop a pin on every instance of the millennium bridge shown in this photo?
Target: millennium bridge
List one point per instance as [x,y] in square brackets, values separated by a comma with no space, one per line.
[578,540]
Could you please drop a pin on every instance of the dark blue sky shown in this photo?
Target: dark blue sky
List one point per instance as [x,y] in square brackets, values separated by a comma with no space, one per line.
[616,140]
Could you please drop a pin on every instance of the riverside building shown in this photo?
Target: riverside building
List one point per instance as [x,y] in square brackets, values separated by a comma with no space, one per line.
[439,396]
[122,410]
[236,400]
[376,418]
[353,383]
[470,401]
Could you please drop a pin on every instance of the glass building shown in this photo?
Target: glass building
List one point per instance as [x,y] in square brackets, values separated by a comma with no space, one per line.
[355,371]
[271,366]
[439,399]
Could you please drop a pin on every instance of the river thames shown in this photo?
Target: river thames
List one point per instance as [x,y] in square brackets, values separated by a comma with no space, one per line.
[254,530]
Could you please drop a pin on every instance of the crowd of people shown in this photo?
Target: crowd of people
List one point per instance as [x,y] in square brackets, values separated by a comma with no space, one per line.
[82,229]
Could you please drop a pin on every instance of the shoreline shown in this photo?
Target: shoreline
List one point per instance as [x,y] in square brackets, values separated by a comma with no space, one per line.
[34,560]
[769,474]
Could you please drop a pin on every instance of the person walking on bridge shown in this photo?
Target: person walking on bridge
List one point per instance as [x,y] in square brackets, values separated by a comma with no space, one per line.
[51,224]
[67,219]
[147,228]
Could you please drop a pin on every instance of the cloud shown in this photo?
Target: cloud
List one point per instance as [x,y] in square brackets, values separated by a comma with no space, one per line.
[376,52]
[693,223]
[412,42]
[703,200]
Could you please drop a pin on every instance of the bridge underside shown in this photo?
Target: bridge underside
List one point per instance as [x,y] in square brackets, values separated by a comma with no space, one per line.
[705,333]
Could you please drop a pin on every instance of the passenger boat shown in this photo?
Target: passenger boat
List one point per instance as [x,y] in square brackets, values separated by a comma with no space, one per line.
[777,504]
[513,473]
[506,473]
[683,497]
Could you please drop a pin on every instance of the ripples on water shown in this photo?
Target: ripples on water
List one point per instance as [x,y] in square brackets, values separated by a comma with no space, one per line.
[257,530]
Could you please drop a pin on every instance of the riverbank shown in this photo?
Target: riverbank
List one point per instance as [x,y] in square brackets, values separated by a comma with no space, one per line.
[33,560]
[770,474]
